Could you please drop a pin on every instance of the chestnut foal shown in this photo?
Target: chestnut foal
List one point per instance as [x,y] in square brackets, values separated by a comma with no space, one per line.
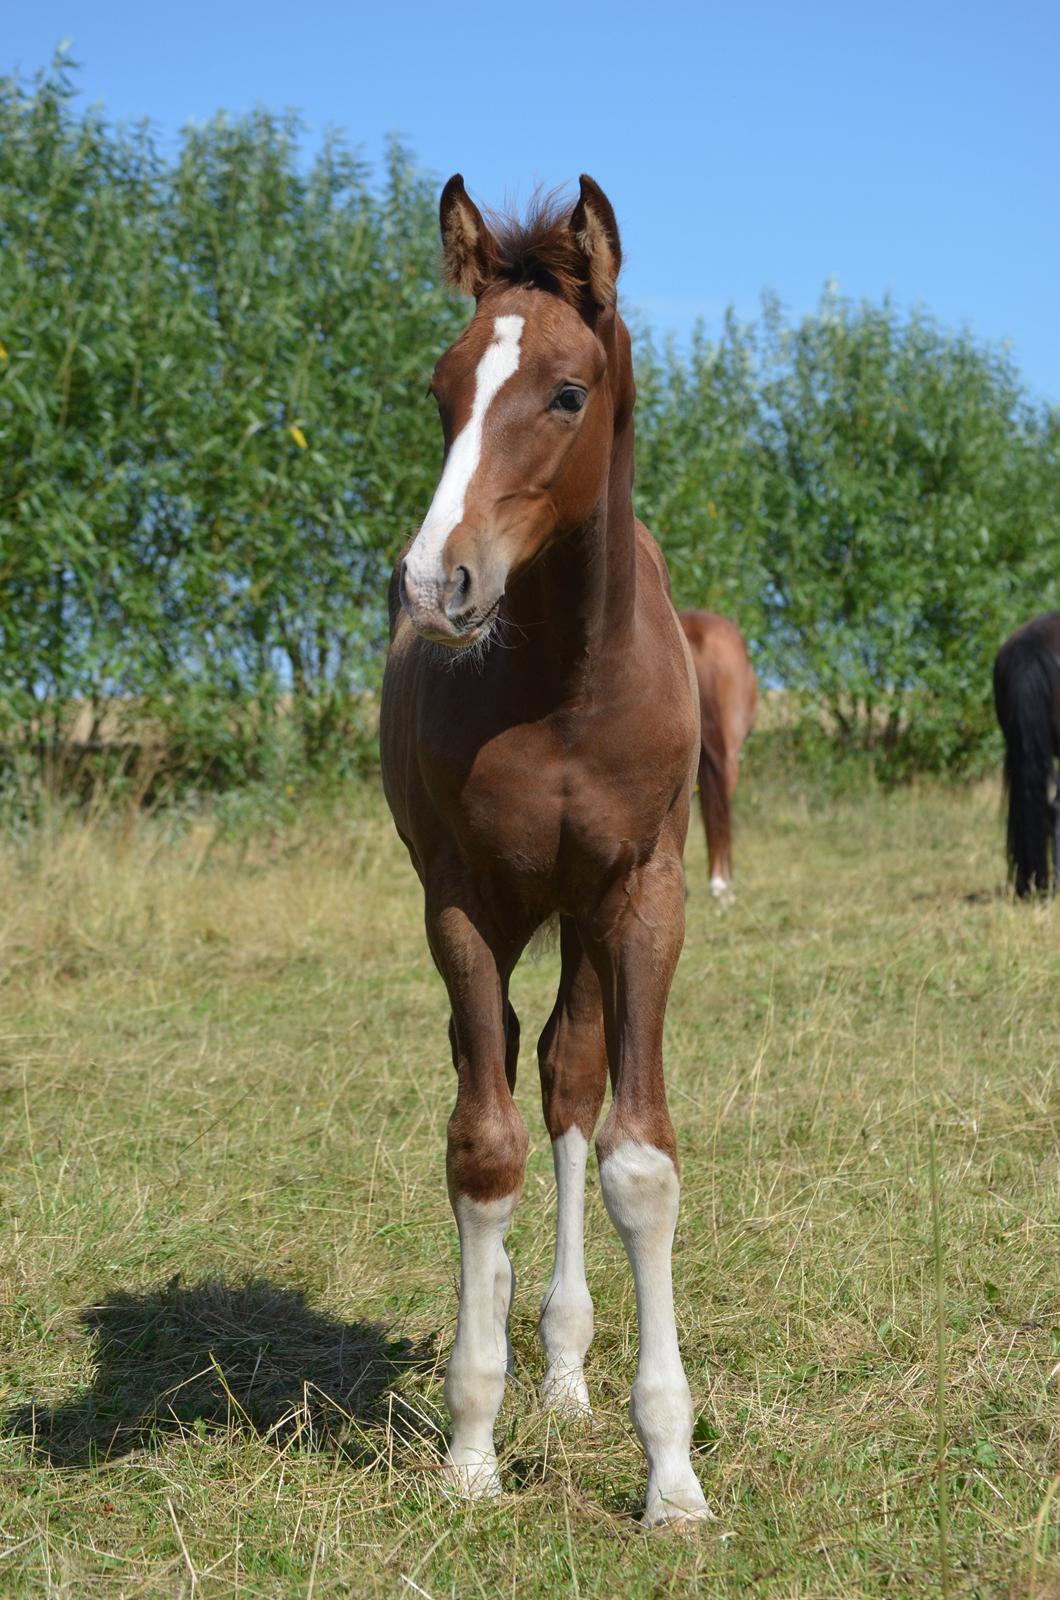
[728,699]
[539,735]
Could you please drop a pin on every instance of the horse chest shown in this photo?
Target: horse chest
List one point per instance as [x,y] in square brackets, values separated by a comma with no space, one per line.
[534,805]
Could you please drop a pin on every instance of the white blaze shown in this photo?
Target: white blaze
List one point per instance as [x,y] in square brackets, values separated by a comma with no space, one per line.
[424,560]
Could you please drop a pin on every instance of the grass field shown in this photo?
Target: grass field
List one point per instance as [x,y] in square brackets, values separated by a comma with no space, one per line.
[228,1265]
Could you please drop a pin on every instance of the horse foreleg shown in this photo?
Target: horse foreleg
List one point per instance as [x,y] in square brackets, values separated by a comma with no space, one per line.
[485,1160]
[573,1061]
[504,1283]
[635,940]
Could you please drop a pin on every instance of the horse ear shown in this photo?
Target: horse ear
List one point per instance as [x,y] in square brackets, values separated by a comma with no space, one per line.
[596,235]
[468,247]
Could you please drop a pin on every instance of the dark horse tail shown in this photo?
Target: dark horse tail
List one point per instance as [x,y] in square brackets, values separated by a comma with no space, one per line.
[1026,695]
[713,789]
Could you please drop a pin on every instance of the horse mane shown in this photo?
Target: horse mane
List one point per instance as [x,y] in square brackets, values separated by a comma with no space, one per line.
[540,251]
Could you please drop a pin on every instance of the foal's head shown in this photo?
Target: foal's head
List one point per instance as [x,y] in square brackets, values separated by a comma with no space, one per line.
[530,397]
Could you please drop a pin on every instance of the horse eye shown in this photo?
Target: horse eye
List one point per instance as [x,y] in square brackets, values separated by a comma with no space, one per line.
[569,399]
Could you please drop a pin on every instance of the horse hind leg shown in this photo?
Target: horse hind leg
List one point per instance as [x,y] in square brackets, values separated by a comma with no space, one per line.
[511,1043]
[714,800]
[504,1283]
[573,1062]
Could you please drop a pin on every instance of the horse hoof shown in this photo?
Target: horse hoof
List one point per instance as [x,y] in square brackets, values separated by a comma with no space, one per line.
[565,1392]
[476,1479]
[685,1505]
[668,1514]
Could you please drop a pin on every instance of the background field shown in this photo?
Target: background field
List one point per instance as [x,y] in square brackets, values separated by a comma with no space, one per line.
[227,1266]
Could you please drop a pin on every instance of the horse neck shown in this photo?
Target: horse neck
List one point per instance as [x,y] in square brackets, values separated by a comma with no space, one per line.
[573,611]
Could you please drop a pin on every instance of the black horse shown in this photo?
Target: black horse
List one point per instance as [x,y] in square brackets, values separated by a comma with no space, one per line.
[1027,698]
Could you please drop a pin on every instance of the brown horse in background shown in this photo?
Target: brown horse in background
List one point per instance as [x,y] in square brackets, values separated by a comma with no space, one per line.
[1027,701]
[728,698]
[538,738]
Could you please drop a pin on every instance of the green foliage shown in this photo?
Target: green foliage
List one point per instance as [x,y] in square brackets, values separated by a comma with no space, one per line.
[214,438]
[213,429]
[874,499]
[914,520]
[701,475]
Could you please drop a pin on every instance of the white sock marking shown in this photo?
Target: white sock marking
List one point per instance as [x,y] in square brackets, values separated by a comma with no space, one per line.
[566,1325]
[474,1380]
[503,1295]
[640,1190]
[424,570]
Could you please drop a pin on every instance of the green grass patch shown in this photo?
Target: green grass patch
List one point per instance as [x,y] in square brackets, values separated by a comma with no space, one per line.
[228,1265]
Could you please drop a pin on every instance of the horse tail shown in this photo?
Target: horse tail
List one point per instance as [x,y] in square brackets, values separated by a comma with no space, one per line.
[1026,685]
[714,791]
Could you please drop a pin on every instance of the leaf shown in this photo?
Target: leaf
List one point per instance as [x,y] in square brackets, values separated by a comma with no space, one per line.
[298,436]
[704,1433]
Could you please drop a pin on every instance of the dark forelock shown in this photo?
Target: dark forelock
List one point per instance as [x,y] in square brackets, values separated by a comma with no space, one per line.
[539,251]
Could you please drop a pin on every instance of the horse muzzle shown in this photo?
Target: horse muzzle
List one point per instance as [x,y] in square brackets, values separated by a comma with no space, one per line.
[450,611]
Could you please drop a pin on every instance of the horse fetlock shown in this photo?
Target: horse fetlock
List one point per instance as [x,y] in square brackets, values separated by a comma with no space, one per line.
[474,1387]
[566,1330]
[661,1408]
[474,1390]
[566,1325]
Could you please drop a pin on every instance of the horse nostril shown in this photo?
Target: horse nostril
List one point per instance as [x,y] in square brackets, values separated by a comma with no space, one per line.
[403,594]
[458,602]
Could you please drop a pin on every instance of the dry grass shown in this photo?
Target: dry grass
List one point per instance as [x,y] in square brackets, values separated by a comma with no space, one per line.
[227,1266]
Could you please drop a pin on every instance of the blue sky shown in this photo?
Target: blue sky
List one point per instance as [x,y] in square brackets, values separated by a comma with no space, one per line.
[907,148]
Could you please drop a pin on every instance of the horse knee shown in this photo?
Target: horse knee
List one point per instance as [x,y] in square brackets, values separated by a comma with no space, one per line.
[641,1188]
[486,1148]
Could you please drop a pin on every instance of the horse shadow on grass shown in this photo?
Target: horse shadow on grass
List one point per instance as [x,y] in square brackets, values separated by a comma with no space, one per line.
[252,1358]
